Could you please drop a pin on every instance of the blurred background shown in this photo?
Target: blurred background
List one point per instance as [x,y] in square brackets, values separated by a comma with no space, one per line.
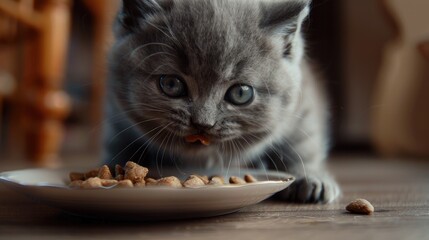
[374,55]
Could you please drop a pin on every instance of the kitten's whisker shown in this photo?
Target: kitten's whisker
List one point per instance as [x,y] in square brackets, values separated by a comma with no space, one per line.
[131,54]
[172,38]
[134,125]
[175,150]
[170,143]
[273,148]
[271,160]
[246,161]
[146,105]
[220,156]
[151,105]
[299,157]
[238,158]
[111,119]
[259,157]
[159,148]
[265,153]
[151,139]
[156,69]
[250,145]
[156,110]
[230,157]
[150,56]
[133,143]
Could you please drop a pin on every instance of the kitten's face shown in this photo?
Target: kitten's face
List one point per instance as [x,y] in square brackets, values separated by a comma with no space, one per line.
[204,67]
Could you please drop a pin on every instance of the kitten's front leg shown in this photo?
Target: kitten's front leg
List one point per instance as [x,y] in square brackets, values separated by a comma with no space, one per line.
[305,159]
[313,188]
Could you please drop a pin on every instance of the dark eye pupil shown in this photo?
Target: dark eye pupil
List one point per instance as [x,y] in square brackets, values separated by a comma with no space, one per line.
[243,91]
[171,84]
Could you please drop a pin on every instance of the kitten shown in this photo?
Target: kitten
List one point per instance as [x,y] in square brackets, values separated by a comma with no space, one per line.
[230,70]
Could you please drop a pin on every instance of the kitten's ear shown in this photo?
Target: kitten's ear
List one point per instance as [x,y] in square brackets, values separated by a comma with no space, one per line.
[284,18]
[134,12]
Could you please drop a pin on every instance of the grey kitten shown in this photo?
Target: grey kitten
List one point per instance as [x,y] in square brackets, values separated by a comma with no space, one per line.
[229,70]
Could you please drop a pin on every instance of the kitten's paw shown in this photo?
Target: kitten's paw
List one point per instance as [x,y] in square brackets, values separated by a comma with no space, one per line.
[311,190]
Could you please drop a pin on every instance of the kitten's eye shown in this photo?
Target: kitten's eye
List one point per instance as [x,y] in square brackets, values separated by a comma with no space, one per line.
[240,94]
[173,86]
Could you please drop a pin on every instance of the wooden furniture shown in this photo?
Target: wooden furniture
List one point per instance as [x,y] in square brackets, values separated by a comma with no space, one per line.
[103,15]
[400,120]
[44,105]
[398,191]
[7,87]
[8,36]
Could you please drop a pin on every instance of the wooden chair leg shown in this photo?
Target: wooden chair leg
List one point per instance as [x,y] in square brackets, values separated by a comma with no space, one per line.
[1,111]
[47,104]
[18,115]
[98,79]
[103,15]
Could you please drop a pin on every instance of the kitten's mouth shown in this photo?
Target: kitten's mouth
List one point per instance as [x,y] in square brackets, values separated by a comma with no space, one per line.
[198,139]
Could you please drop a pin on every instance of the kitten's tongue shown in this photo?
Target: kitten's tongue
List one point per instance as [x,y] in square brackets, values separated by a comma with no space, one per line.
[194,138]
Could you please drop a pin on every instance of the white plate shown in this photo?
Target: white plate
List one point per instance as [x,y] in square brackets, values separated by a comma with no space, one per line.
[150,203]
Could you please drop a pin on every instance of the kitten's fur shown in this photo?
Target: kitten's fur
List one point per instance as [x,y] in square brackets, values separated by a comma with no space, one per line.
[213,44]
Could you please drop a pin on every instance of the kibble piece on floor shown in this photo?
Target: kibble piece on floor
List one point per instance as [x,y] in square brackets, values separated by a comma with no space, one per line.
[360,206]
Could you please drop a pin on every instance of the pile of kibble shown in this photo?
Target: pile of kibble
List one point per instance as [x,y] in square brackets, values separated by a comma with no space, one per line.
[134,175]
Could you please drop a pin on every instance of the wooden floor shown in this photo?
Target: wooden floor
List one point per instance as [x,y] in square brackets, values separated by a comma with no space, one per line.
[399,191]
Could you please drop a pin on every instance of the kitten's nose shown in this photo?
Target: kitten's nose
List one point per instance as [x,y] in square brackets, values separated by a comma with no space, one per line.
[202,125]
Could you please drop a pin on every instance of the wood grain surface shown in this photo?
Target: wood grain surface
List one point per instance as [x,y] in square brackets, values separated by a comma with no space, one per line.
[398,189]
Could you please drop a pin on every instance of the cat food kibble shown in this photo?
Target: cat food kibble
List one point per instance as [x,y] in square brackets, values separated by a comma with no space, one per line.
[193,181]
[360,206]
[151,182]
[119,177]
[91,174]
[94,182]
[236,180]
[216,181]
[104,173]
[140,184]
[205,179]
[119,173]
[249,178]
[125,184]
[76,176]
[108,182]
[135,172]
[132,175]
[169,182]
[119,170]
[76,184]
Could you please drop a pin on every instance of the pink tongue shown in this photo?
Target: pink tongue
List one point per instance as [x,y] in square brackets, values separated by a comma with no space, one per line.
[194,138]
